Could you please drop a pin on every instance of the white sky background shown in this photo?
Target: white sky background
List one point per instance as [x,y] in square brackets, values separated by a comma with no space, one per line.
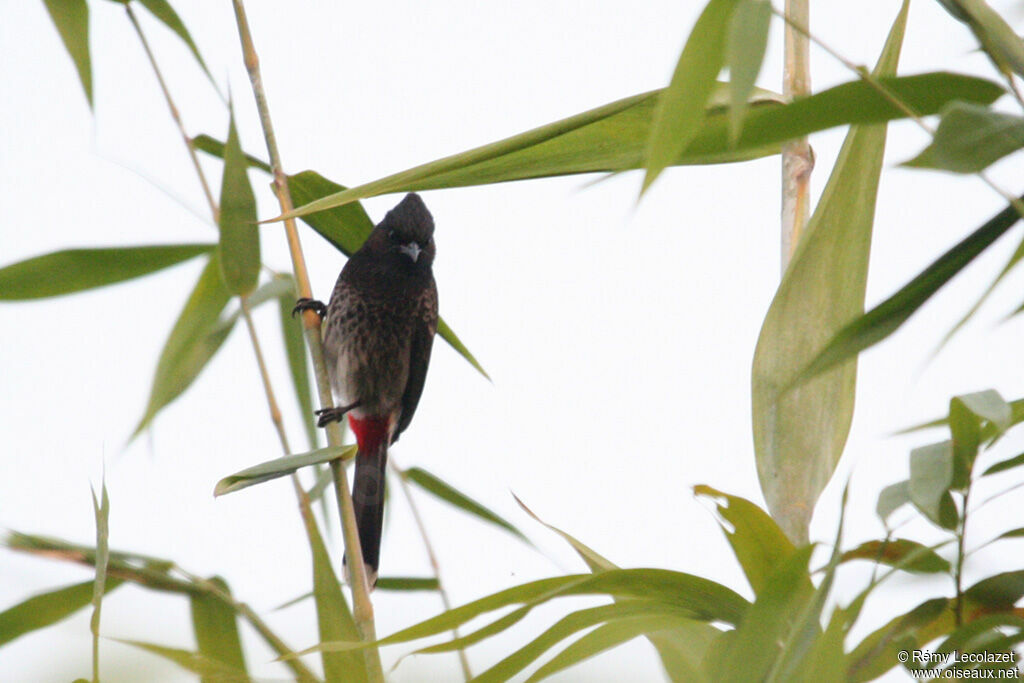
[619,336]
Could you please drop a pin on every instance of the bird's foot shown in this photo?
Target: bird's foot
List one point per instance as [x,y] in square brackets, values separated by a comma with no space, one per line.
[306,304]
[334,414]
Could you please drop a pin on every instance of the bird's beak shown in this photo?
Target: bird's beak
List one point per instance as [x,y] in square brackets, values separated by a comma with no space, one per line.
[412,250]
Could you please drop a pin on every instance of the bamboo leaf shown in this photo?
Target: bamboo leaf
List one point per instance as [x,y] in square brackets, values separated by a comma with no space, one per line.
[1003,465]
[280,467]
[931,476]
[799,433]
[216,628]
[295,351]
[430,483]
[334,618]
[872,327]
[748,40]
[162,10]
[970,138]
[693,639]
[904,553]
[681,105]
[239,246]
[194,662]
[194,339]
[76,270]
[595,561]
[878,652]
[72,20]
[998,39]
[1001,591]
[215,147]
[102,513]
[48,608]
[612,138]
[757,541]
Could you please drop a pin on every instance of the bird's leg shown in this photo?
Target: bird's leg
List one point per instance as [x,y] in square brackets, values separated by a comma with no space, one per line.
[334,414]
[305,304]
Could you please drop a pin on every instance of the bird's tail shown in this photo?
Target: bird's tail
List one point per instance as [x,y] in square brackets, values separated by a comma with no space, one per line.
[368,500]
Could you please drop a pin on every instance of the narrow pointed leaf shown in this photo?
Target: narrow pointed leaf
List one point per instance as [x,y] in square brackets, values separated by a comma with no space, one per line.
[101,509]
[887,317]
[568,626]
[72,20]
[1001,591]
[76,270]
[612,138]
[216,628]
[595,561]
[878,652]
[428,482]
[295,351]
[680,108]
[748,40]
[692,637]
[48,608]
[194,339]
[908,555]
[757,541]
[799,434]
[215,147]
[280,467]
[970,138]
[162,10]
[334,618]
[239,246]
[1003,465]
[998,39]
[194,662]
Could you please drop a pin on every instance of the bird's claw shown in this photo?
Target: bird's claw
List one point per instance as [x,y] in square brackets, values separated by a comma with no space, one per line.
[328,415]
[307,304]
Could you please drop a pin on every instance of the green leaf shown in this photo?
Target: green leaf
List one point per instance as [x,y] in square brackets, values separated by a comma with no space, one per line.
[571,624]
[799,434]
[755,646]
[215,147]
[216,627]
[76,270]
[970,138]
[72,20]
[681,105]
[891,498]
[280,467]
[878,652]
[595,561]
[194,339]
[998,39]
[748,39]
[989,406]
[334,618]
[613,137]
[823,661]
[48,608]
[968,414]
[756,539]
[428,482]
[692,638]
[999,592]
[408,583]
[347,227]
[194,662]
[695,596]
[295,351]
[102,513]
[1003,465]
[931,476]
[899,552]
[163,11]
[887,317]
[239,246]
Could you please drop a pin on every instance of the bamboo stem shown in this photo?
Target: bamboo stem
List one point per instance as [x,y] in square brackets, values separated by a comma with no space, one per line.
[175,115]
[797,158]
[362,606]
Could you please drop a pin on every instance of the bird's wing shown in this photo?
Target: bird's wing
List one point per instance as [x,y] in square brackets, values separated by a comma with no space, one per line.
[419,359]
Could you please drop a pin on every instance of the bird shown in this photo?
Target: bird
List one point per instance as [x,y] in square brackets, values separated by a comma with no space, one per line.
[378,330]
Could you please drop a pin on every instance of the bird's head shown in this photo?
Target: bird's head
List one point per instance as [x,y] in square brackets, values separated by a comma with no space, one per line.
[408,232]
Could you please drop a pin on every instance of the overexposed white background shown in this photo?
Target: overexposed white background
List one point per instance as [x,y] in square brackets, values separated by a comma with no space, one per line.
[618,335]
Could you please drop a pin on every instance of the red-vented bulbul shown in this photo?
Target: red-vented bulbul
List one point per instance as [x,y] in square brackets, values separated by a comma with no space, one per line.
[377,333]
